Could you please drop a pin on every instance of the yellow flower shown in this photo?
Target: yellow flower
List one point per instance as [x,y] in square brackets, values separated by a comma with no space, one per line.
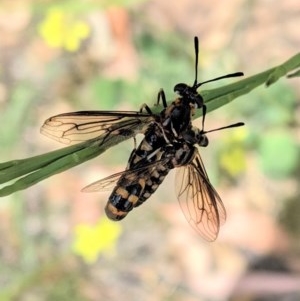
[61,29]
[90,241]
[233,160]
[233,157]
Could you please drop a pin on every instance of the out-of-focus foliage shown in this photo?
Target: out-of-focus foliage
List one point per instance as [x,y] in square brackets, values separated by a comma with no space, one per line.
[15,114]
[116,55]
[279,154]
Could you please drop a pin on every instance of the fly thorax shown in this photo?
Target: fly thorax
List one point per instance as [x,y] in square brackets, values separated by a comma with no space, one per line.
[184,154]
[176,117]
[180,119]
[193,109]
[191,135]
[195,136]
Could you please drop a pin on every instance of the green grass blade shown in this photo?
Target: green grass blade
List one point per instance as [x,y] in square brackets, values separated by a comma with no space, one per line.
[17,168]
[219,97]
[53,166]
[38,168]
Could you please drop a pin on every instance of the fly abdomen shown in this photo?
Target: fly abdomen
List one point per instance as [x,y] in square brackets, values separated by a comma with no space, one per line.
[156,178]
[123,198]
[177,155]
[148,148]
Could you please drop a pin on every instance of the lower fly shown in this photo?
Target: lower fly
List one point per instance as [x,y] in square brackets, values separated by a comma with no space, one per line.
[199,201]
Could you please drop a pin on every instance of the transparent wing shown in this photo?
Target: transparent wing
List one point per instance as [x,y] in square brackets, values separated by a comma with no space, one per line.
[131,175]
[199,201]
[81,126]
[106,183]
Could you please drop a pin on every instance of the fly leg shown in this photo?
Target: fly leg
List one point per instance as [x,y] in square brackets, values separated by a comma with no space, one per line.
[203,117]
[133,154]
[145,107]
[162,96]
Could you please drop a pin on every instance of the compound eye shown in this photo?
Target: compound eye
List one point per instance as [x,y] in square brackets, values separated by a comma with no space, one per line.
[199,101]
[203,141]
[179,88]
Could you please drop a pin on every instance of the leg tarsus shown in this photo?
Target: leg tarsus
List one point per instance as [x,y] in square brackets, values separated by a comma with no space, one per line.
[203,116]
[146,108]
[162,96]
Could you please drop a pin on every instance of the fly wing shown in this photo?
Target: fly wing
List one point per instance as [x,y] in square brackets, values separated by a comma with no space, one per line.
[81,126]
[106,183]
[133,174]
[199,201]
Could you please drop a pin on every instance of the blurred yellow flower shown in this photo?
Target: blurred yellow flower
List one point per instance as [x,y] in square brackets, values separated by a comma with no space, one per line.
[90,241]
[62,30]
[233,160]
[233,156]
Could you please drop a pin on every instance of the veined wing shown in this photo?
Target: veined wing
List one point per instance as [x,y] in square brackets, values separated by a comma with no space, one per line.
[199,201]
[109,182]
[131,175]
[81,126]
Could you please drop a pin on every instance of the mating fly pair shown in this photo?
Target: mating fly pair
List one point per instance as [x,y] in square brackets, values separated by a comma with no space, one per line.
[169,141]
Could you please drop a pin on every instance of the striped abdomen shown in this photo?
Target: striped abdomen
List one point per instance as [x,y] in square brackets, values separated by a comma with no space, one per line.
[132,182]
[134,188]
[176,155]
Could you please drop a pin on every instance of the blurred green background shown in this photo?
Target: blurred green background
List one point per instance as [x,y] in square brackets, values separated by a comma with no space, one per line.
[61,56]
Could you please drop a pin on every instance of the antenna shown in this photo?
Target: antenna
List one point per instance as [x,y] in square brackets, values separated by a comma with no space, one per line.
[225,127]
[196,85]
[236,74]
[196,46]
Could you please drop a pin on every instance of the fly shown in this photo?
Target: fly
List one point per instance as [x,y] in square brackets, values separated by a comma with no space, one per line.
[199,201]
[166,137]
[101,126]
